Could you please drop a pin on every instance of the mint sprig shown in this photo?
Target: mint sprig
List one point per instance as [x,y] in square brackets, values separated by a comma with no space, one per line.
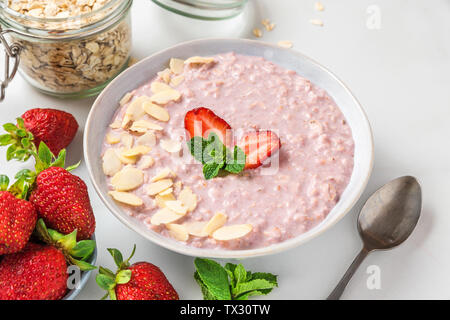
[231,282]
[215,156]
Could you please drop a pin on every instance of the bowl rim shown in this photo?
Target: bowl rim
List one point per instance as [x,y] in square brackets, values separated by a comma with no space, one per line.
[223,253]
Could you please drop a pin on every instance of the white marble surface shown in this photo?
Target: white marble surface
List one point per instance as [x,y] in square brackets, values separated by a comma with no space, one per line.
[400,74]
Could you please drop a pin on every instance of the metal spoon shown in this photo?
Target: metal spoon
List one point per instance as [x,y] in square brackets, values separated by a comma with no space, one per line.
[386,220]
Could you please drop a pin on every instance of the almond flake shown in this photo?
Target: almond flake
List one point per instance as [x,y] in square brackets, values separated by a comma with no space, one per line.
[199,60]
[170,146]
[128,178]
[176,206]
[125,160]
[188,198]
[216,222]
[316,22]
[143,126]
[176,65]
[257,32]
[159,186]
[126,98]
[127,140]
[127,198]
[164,216]
[134,111]
[267,24]
[164,173]
[136,151]
[175,81]
[285,44]
[146,162]
[195,228]
[157,86]
[112,138]
[147,139]
[178,232]
[157,112]
[165,75]
[165,97]
[115,125]
[319,6]
[111,162]
[232,232]
[166,192]
[161,199]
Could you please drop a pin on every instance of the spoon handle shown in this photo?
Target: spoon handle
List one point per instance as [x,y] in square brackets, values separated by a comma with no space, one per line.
[337,292]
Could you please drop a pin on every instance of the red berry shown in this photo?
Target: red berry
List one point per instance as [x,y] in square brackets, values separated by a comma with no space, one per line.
[147,282]
[39,272]
[55,127]
[62,200]
[258,146]
[202,121]
[17,221]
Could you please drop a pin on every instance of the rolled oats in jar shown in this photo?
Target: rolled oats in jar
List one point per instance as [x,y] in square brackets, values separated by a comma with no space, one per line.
[69,48]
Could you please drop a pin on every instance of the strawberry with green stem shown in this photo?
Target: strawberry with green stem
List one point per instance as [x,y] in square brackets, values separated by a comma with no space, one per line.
[139,281]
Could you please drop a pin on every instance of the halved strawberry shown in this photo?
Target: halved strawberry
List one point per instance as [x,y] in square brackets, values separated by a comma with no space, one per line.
[203,121]
[258,146]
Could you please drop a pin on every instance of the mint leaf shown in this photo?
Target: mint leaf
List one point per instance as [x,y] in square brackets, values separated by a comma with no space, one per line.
[240,274]
[214,277]
[235,161]
[211,170]
[196,145]
[207,295]
[253,285]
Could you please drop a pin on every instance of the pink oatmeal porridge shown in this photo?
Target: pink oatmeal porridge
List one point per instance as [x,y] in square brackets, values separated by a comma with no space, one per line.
[153,176]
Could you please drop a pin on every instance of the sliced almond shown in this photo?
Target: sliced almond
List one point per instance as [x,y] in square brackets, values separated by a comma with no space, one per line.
[199,60]
[196,228]
[257,32]
[128,178]
[175,81]
[148,139]
[125,160]
[166,96]
[178,232]
[164,173]
[111,162]
[126,98]
[159,186]
[112,138]
[164,216]
[232,232]
[134,111]
[188,198]
[115,125]
[127,198]
[285,44]
[143,126]
[157,112]
[319,6]
[216,222]
[176,65]
[165,75]
[316,22]
[176,206]
[136,151]
[157,86]
[166,192]
[161,199]
[171,146]
[146,162]
[127,140]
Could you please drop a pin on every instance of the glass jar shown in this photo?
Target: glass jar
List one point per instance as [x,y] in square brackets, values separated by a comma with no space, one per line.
[70,57]
[204,9]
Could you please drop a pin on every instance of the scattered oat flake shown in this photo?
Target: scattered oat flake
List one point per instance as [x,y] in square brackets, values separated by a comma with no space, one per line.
[319,6]
[316,22]
[285,44]
[257,32]
[267,24]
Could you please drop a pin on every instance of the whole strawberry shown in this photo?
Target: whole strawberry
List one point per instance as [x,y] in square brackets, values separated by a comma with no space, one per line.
[17,219]
[62,200]
[55,127]
[140,281]
[39,272]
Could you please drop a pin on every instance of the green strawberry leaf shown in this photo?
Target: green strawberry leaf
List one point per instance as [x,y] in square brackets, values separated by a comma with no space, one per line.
[83,265]
[4,182]
[42,232]
[74,166]
[83,249]
[214,277]
[69,241]
[106,272]
[44,154]
[55,235]
[5,139]
[127,262]
[60,161]
[123,276]
[105,281]
[10,127]
[117,256]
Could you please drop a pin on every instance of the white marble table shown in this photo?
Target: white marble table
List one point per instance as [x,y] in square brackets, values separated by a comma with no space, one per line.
[398,67]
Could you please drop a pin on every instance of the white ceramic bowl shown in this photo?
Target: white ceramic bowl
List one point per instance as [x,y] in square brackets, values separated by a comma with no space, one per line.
[107,103]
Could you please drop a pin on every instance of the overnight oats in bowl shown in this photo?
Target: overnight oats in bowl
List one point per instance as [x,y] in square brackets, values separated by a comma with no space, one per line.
[228,151]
